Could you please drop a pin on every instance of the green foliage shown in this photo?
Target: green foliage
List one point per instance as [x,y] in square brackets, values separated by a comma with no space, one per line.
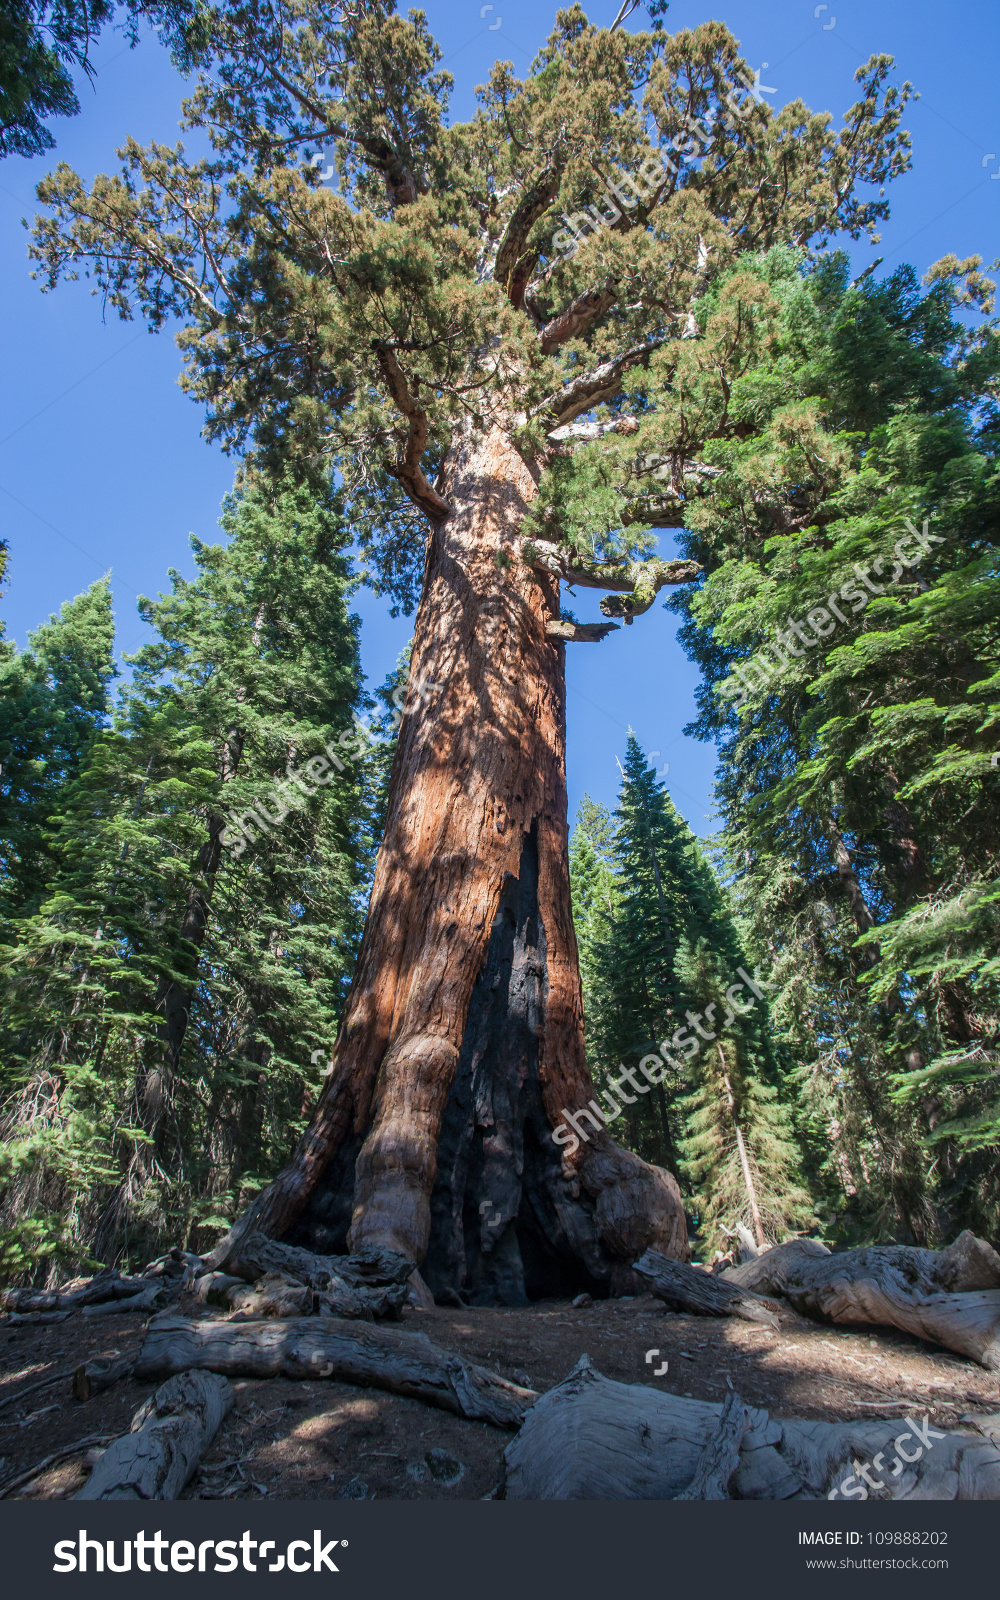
[54,700]
[850,545]
[253,672]
[660,961]
[41,41]
[404,304]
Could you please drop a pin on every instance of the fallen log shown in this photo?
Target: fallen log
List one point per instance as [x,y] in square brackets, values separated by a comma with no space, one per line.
[212,1288]
[684,1288]
[273,1295]
[150,1298]
[329,1347]
[369,1285]
[37,1319]
[170,1433]
[108,1285]
[591,1438]
[948,1297]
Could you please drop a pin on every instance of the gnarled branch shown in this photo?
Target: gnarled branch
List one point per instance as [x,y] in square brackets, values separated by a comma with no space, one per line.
[634,585]
[408,471]
[601,384]
[649,578]
[514,265]
[577,317]
[587,432]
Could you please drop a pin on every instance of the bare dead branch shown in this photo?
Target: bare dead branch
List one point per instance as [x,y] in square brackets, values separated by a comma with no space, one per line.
[579,632]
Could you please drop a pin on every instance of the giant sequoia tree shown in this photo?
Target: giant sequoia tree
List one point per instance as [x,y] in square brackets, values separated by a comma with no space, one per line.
[496,334]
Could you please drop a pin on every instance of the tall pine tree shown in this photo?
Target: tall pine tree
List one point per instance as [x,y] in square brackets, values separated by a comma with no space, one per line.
[171,1005]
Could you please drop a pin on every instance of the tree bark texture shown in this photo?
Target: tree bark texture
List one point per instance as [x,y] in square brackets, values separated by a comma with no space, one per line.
[462,1042]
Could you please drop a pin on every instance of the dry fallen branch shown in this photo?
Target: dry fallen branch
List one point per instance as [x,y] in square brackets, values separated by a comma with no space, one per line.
[105,1286]
[328,1347]
[99,1374]
[53,1460]
[685,1288]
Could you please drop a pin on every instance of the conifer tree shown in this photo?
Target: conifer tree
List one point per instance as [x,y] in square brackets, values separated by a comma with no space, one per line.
[54,699]
[660,959]
[848,634]
[741,1156]
[191,860]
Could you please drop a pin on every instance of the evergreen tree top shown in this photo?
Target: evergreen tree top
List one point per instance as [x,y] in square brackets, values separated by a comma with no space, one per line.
[449,283]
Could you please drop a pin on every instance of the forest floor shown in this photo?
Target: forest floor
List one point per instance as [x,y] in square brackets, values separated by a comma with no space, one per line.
[324,1440]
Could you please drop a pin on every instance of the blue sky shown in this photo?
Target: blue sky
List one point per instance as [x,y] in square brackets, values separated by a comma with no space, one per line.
[102,466]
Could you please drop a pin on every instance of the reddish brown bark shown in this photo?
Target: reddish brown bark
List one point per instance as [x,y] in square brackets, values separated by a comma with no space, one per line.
[472,884]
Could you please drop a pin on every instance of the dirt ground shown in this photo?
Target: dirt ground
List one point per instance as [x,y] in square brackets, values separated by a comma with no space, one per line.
[326,1440]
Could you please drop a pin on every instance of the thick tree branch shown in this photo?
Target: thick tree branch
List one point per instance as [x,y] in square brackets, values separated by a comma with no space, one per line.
[601,384]
[407,471]
[577,317]
[587,432]
[634,585]
[514,265]
[649,578]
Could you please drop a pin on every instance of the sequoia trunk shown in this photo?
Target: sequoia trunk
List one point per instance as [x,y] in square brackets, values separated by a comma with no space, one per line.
[462,1043]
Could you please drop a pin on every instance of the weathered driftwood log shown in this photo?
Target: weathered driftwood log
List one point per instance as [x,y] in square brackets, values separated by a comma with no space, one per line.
[370,1284]
[109,1285]
[591,1438]
[212,1288]
[327,1347]
[949,1297]
[685,1288]
[152,1297]
[170,1433]
[94,1376]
